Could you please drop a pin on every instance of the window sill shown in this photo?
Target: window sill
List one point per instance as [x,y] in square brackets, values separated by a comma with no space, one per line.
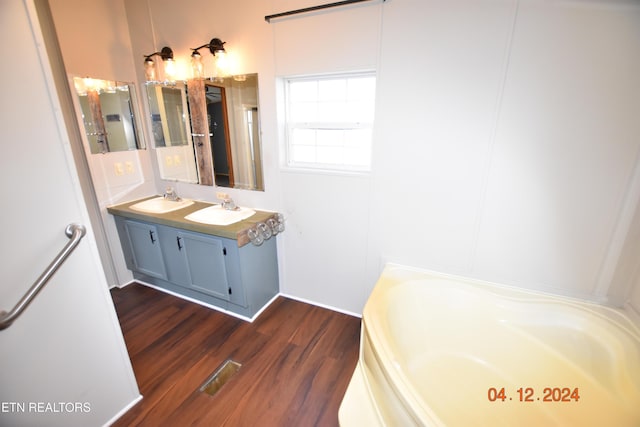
[325,171]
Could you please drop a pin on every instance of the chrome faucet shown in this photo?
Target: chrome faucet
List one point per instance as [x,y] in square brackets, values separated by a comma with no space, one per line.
[170,194]
[229,204]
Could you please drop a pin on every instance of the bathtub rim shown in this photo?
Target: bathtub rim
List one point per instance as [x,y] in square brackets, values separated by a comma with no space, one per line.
[625,316]
[375,328]
[415,407]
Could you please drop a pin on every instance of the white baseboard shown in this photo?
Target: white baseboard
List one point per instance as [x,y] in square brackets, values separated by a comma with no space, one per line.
[204,304]
[124,285]
[245,318]
[328,307]
[124,411]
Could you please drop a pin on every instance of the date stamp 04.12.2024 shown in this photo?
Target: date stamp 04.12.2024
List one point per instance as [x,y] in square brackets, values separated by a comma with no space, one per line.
[529,394]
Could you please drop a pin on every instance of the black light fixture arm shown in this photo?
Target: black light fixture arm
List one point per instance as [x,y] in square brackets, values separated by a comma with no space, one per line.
[165,53]
[215,45]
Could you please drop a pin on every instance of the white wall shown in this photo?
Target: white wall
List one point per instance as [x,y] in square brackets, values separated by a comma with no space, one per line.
[625,285]
[326,245]
[506,142]
[522,140]
[94,39]
[442,69]
[635,297]
[565,148]
[501,151]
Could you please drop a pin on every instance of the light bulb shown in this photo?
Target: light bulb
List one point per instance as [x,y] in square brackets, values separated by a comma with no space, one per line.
[221,64]
[169,70]
[149,70]
[89,83]
[197,67]
[80,86]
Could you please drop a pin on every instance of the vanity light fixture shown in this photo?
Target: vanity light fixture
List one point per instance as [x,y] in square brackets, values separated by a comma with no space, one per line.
[215,46]
[169,65]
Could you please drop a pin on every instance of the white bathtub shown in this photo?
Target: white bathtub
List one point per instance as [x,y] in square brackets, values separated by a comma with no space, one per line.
[438,350]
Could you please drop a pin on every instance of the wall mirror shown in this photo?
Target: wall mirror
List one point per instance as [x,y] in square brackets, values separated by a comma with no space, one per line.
[168,109]
[107,110]
[234,131]
[171,132]
[224,130]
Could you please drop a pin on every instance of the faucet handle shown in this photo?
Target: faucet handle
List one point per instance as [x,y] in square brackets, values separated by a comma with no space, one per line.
[170,194]
[229,204]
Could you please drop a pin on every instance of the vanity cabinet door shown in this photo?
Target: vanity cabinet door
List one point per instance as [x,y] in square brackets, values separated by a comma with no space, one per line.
[146,255]
[205,259]
[172,244]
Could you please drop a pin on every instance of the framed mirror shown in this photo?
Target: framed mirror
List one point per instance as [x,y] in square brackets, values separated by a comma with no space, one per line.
[169,116]
[223,127]
[107,110]
[233,109]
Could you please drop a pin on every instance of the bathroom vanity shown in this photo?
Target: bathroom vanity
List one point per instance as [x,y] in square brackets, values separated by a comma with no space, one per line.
[212,264]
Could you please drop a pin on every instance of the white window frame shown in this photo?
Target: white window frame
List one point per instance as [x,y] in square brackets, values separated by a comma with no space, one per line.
[291,126]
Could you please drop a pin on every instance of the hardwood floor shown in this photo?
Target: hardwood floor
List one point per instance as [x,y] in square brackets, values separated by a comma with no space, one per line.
[297,360]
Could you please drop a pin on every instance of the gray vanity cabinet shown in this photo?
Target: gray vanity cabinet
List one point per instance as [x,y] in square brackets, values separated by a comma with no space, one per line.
[142,248]
[204,267]
[198,261]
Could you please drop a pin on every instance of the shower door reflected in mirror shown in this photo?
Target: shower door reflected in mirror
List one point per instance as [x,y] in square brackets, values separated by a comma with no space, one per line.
[107,112]
[218,123]
[244,147]
[171,132]
[225,123]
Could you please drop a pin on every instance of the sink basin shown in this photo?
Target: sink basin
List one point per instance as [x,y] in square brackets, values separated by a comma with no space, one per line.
[217,215]
[160,205]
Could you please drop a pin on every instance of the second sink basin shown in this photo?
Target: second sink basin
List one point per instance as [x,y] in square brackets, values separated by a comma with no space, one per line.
[160,205]
[217,215]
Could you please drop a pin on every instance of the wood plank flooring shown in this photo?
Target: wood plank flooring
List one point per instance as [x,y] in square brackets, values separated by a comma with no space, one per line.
[297,360]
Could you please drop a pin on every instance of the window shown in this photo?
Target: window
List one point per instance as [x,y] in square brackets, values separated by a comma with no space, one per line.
[330,121]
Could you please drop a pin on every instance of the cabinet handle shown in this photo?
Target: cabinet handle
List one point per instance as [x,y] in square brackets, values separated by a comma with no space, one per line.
[153,239]
[179,245]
